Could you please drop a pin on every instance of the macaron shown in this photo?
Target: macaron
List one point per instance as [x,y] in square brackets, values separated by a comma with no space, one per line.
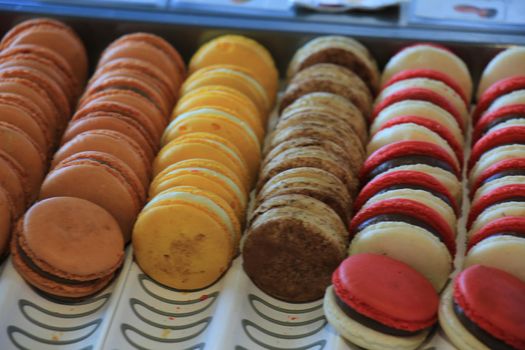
[412,132]
[53,35]
[405,179]
[232,76]
[115,122]
[426,56]
[56,238]
[224,98]
[149,48]
[111,142]
[327,77]
[421,89]
[492,157]
[205,146]
[243,52]
[498,116]
[507,63]
[193,253]
[500,169]
[334,104]
[516,97]
[197,173]
[13,180]
[483,309]
[500,244]
[380,303]
[6,217]
[105,180]
[222,124]
[17,144]
[408,153]
[496,90]
[339,50]
[494,212]
[389,226]
[312,182]
[292,246]
[428,74]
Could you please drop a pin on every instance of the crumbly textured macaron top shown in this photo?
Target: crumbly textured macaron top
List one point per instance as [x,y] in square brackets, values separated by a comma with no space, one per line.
[71,238]
[495,301]
[387,291]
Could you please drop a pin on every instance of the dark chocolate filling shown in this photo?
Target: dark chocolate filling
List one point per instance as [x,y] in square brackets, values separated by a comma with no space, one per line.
[373,324]
[27,260]
[501,120]
[415,187]
[409,160]
[513,172]
[510,199]
[399,218]
[482,335]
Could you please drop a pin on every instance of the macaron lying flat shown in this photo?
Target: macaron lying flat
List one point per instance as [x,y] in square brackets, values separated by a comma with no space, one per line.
[193,241]
[338,50]
[55,239]
[106,181]
[380,303]
[505,64]
[500,244]
[292,246]
[484,309]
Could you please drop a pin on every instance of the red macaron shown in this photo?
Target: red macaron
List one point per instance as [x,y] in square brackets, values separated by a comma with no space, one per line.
[495,117]
[429,74]
[413,212]
[490,303]
[498,89]
[507,167]
[405,179]
[407,152]
[508,225]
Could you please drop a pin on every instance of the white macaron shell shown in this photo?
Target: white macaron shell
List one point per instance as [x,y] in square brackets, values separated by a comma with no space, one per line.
[493,156]
[410,244]
[514,98]
[508,63]
[495,212]
[503,252]
[492,185]
[508,123]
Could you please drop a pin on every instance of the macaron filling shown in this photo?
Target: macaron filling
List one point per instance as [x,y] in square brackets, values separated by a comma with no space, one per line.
[409,160]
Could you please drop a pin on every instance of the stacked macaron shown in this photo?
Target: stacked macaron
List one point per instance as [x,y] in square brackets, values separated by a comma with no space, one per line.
[408,207]
[496,168]
[43,66]
[90,199]
[297,232]
[189,232]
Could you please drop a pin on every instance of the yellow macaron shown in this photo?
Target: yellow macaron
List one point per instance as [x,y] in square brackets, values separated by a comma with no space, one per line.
[219,181]
[207,146]
[222,124]
[185,238]
[232,76]
[240,51]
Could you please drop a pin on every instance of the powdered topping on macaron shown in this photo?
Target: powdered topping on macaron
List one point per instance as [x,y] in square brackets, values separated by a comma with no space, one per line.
[385,294]
[490,304]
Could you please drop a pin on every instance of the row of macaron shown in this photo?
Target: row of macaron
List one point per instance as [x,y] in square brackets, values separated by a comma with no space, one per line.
[189,232]
[43,67]
[404,228]
[99,176]
[297,231]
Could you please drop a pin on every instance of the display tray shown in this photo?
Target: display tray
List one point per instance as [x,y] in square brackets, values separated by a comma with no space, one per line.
[134,311]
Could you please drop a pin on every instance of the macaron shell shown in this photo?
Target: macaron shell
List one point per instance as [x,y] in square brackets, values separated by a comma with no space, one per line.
[503,193]
[498,89]
[492,185]
[13,179]
[483,125]
[505,64]
[495,212]
[6,211]
[503,252]
[190,255]
[494,156]
[407,243]
[514,98]
[421,56]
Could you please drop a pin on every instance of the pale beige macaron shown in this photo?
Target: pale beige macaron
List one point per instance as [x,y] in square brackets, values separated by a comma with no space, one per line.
[407,243]
[493,156]
[513,98]
[421,109]
[508,63]
[495,212]
[423,56]
[436,86]
[340,50]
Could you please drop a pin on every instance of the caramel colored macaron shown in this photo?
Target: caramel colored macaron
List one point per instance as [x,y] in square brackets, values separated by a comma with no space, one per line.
[13,179]
[67,247]
[111,142]
[53,35]
[102,179]
[6,216]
